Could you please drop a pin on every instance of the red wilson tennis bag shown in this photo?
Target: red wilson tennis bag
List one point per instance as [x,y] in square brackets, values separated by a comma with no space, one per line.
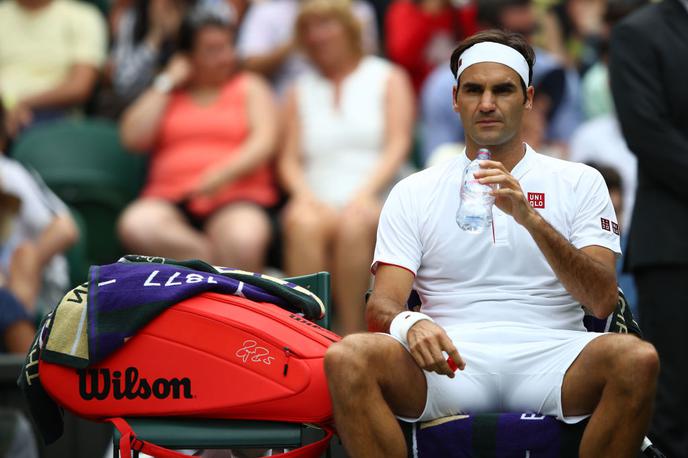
[211,356]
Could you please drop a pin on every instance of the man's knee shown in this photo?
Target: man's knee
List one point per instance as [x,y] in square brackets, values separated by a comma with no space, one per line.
[343,357]
[643,362]
[352,361]
[636,365]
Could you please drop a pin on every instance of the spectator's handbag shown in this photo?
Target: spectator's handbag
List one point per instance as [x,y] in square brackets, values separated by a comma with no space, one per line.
[208,356]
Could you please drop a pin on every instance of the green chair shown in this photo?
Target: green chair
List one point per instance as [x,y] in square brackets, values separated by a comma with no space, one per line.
[84,163]
[77,257]
[189,433]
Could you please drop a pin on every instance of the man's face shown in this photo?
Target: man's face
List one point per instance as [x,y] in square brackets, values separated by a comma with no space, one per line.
[490,101]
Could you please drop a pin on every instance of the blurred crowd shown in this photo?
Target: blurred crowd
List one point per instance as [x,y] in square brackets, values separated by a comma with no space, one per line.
[276,124]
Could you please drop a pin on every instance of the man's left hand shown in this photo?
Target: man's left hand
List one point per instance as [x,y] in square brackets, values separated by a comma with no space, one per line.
[509,196]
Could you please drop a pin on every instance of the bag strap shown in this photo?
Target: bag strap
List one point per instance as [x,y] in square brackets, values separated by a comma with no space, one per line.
[128,442]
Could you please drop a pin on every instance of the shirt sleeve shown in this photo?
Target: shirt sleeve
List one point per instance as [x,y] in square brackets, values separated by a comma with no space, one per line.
[89,36]
[39,205]
[595,221]
[398,235]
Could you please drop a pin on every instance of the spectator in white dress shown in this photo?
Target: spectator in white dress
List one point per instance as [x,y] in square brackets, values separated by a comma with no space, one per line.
[349,124]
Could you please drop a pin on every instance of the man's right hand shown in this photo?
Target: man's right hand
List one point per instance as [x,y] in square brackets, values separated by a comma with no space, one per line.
[427,341]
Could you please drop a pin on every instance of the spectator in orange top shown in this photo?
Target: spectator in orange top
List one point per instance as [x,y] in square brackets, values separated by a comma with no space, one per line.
[211,130]
[421,34]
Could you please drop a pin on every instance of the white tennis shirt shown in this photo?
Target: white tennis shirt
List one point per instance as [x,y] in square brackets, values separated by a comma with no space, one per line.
[499,275]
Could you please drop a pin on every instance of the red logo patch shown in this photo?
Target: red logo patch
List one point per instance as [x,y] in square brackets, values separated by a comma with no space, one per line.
[615,228]
[536,199]
[605,224]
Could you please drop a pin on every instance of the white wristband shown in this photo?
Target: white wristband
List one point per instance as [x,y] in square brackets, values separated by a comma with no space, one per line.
[401,324]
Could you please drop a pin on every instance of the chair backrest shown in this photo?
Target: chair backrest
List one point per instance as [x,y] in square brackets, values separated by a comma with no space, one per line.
[82,160]
[84,163]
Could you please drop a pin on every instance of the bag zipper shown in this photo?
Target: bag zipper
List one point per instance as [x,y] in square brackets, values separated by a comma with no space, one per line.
[282,320]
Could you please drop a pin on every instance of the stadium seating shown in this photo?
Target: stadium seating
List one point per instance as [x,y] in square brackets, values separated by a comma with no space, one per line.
[84,163]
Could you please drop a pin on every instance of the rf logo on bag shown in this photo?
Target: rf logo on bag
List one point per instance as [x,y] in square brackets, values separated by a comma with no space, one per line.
[253,353]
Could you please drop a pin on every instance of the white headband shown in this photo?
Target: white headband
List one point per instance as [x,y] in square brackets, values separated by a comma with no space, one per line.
[489,51]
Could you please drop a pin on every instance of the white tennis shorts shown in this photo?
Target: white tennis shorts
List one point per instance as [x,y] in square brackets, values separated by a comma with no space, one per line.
[509,368]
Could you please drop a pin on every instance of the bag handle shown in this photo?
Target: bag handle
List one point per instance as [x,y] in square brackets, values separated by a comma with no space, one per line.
[128,442]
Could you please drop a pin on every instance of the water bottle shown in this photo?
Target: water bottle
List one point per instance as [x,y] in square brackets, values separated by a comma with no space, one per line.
[475,208]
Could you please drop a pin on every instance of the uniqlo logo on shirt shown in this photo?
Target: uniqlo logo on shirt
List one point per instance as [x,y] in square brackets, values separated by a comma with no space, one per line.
[536,199]
[605,224]
[615,228]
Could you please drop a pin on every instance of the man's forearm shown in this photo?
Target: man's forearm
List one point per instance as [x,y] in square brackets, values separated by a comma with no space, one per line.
[586,279]
[73,90]
[380,311]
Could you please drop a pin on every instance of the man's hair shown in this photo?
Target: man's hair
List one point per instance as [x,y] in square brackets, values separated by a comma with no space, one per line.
[513,40]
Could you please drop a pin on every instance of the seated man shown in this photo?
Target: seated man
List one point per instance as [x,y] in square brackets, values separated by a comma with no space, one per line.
[50,55]
[505,305]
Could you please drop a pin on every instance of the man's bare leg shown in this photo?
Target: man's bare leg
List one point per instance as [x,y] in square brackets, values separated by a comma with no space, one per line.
[615,378]
[372,378]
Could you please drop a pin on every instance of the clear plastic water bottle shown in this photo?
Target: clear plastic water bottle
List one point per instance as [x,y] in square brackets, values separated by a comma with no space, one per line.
[475,208]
